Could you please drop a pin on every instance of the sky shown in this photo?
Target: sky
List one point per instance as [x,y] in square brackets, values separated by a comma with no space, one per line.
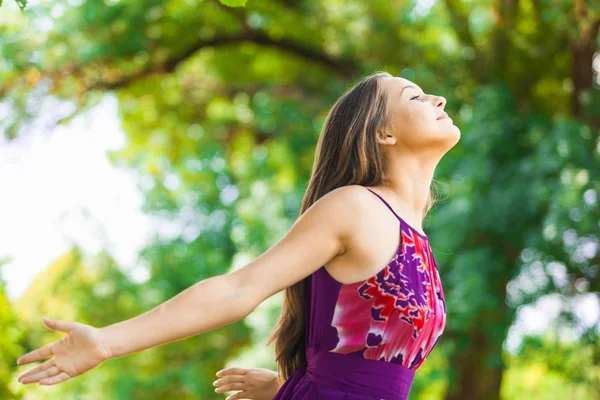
[58,188]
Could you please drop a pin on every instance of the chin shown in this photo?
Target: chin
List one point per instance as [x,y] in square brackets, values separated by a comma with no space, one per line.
[455,133]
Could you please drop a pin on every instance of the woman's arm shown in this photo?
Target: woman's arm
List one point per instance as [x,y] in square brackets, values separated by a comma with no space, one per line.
[319,235]
[207,305]
[314,239]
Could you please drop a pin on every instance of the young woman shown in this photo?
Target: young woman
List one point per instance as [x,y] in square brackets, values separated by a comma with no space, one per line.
[363,305]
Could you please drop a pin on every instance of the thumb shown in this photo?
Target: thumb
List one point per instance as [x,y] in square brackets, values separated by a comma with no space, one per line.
[57,325]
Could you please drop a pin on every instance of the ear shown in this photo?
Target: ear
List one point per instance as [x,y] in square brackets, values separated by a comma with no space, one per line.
[385,138]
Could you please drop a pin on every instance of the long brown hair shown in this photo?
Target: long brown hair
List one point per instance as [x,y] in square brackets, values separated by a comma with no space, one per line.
[347,154]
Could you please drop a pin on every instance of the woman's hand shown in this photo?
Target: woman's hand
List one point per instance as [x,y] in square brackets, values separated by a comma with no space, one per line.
[81,350]
[254,383]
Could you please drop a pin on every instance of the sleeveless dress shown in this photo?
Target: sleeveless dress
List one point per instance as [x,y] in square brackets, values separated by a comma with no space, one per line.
[365,340]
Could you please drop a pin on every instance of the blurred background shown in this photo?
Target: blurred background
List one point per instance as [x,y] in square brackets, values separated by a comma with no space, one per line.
[147,145]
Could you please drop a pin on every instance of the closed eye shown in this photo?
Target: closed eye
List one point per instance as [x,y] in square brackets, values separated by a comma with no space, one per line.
[416,97]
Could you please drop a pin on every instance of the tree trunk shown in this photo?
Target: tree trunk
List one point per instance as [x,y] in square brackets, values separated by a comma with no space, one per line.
[474,378]
[476,364]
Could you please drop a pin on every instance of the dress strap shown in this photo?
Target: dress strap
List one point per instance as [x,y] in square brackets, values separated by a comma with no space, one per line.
[402,221]
[385,202]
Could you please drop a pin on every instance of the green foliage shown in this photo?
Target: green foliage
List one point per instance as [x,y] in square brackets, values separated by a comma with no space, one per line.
[12,335]
[234,3]
[222,106]
[231,3]
[548,368]
[96,292]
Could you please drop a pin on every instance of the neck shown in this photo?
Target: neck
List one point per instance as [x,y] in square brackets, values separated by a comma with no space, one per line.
[409,181]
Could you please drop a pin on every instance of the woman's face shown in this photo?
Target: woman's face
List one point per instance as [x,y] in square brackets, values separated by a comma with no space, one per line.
[417,120]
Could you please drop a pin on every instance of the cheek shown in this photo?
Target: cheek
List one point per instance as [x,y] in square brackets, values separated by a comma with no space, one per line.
[412,122]
[415,128]
[421,115]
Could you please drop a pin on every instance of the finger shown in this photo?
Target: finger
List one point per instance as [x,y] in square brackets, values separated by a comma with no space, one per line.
[41,375]
[53,380]
[228,379]
[43,366]
[232,371]
[58,325]
[230,387]
[238,396]
[37,354]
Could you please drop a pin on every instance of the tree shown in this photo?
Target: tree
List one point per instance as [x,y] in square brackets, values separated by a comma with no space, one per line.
[222,107]
[231,3]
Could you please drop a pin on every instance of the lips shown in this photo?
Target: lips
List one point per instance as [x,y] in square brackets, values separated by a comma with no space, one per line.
[444,115]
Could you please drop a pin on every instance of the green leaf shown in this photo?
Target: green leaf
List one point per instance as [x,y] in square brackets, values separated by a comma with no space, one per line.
[234,3]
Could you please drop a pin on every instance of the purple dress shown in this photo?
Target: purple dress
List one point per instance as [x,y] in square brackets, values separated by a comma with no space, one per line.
[365,340]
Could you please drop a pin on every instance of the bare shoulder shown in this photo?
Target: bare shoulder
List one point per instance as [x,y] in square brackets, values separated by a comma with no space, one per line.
[351,197]
[351,191]
[339,204]
[347,198]
[320,234]
[346,206]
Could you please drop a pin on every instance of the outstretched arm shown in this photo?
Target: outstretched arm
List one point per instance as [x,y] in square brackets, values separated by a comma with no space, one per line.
[315,238]
[319,235]
[207,305]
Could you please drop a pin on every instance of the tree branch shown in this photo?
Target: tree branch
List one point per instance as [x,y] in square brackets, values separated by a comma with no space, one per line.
[583,50]
[344,68]
[507,11]
[460,22]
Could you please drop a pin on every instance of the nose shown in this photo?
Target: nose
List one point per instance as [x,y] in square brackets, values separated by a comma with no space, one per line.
[440,101]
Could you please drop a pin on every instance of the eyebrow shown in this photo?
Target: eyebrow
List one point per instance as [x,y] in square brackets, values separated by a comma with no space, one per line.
[407,86]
